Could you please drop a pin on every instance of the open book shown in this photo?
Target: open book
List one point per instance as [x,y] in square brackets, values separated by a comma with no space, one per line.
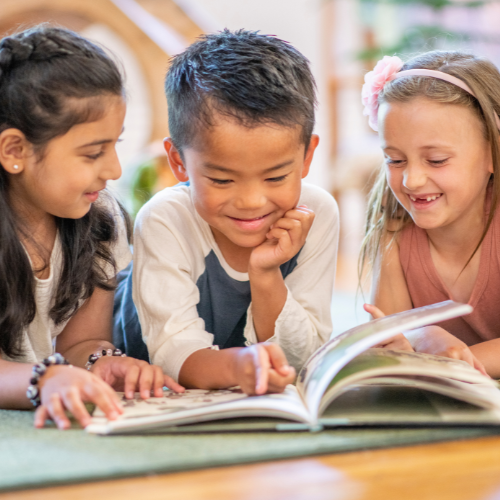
[345,382]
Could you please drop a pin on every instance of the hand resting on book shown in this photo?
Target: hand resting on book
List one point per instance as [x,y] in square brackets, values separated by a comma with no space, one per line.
[431,340]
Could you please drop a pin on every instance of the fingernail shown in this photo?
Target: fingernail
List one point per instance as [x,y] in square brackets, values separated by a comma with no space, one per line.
[113,415]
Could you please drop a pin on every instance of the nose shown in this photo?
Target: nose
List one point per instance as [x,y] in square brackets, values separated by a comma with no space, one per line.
[250,198]
[112,169]
[414,176]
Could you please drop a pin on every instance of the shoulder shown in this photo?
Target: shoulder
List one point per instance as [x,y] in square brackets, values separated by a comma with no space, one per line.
[169,225]
[317,198]
[322,239]
[323,204]
[172,207]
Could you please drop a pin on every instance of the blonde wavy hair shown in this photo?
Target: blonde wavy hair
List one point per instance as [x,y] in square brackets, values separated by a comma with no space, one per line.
[385,215]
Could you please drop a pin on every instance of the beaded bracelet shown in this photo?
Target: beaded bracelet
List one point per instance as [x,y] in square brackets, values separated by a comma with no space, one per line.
[38,370]
[99,354]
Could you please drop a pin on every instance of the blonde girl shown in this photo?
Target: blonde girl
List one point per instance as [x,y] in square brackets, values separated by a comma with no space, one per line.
[433,228]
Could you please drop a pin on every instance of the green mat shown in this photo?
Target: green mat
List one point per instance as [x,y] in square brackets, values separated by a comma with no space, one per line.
[32,458]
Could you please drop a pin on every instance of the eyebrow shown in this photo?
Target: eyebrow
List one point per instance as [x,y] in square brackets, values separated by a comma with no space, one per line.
[431,146]
[102,141]
[212,166]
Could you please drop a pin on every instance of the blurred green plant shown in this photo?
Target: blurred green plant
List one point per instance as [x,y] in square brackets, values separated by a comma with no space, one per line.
[434,4]
[143,184]
[417,39]
[426,37]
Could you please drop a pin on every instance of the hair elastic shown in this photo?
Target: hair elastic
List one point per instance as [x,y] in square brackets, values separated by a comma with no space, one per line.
[387,70]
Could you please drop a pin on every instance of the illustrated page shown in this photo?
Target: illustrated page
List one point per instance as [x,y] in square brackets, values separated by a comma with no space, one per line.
[325,363]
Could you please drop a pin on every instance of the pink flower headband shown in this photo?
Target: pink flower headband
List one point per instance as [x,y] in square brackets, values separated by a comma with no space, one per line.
[388,69]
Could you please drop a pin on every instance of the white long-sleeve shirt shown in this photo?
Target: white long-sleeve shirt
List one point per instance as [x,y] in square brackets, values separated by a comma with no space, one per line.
[188,297]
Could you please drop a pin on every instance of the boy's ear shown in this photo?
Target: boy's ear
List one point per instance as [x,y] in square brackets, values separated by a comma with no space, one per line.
[14,148]
[313,144]
[175,160]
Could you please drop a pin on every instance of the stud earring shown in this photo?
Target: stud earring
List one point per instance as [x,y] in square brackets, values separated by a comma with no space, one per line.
[16,167]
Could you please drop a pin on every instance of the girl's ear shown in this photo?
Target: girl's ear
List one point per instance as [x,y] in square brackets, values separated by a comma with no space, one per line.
[175,160]
[313,144]
[14,148]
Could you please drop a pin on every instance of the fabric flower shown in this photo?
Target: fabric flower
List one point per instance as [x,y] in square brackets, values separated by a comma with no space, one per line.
[375,80]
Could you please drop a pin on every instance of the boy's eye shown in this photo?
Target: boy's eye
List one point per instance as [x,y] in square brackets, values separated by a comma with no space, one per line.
[277,179]
[438,162]
[220,182]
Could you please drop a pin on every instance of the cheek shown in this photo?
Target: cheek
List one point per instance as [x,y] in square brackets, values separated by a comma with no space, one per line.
[288,196]
[394,179]
[208,199]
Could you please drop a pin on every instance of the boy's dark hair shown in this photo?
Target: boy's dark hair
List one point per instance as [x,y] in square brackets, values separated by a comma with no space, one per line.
[253,78]
[47,76]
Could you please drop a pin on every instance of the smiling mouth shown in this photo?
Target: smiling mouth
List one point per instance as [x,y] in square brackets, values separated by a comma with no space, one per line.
[425,199]
[250,220]
[252,225]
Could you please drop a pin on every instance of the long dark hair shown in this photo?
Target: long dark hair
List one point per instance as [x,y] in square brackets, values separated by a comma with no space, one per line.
[43,71]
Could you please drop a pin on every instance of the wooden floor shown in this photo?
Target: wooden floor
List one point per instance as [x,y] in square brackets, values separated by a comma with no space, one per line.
[464,470]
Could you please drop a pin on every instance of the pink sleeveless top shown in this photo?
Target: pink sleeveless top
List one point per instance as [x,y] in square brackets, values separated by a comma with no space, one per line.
[426,287]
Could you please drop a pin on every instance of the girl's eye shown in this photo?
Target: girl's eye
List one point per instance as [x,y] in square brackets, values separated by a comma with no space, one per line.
[97,155]
[277,179]
[220,182]
[395,163]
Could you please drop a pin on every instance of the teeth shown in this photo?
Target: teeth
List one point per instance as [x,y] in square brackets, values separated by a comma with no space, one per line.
[429,198]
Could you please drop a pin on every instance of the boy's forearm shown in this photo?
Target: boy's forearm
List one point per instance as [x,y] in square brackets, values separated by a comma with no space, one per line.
[269,295]
[488,353]
[209,369]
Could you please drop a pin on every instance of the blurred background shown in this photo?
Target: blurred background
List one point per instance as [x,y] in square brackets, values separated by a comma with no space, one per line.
[343,39]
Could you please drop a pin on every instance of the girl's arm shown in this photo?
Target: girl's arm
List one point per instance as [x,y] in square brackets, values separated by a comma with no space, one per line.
[89,330]
[61,388]
[488,353]
[14,381]
[390,294]
[389,290]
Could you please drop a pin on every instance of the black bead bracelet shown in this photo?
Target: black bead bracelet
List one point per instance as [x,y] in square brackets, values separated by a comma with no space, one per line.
[38,370]
[99,354]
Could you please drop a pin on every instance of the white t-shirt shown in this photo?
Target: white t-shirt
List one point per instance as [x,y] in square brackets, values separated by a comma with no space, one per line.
[38,341]
[175,251]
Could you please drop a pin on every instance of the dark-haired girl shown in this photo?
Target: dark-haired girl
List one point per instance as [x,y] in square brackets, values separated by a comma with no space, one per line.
[62,237]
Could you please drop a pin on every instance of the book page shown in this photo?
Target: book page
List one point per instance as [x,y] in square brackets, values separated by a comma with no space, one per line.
[173,402]
[197,405]
[326,362]
[449,377]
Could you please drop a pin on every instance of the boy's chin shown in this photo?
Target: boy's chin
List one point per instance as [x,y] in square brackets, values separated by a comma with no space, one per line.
[248,241]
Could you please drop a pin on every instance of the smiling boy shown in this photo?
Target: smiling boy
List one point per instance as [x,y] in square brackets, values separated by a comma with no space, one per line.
[243,253]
